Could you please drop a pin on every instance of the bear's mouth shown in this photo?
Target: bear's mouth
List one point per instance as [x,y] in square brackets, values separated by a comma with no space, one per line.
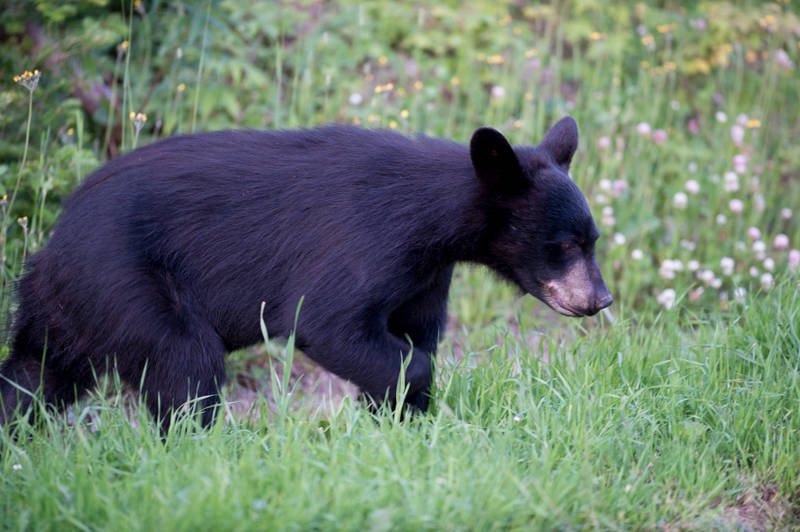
[552,295]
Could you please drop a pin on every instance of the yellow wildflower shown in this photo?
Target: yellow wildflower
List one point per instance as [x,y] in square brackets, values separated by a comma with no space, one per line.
[699,66]
[28,79]
[393,124]
[404,113]
[181,87]
[382,60]
[754,123]
[454,81]
[418,85]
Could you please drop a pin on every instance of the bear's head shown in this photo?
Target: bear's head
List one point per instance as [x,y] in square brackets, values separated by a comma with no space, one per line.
[541,232]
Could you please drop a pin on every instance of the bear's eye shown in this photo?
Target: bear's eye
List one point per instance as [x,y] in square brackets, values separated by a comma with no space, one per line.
[568,245]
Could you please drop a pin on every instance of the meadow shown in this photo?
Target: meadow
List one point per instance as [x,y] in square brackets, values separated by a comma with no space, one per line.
[677,409]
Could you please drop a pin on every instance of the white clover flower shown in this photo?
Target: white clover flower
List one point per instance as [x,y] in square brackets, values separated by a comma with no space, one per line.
[356,98]
[759,246]
[739,293]
[742,119]
[603,143]
[769,264]
[781,241]
[498,92]
[727,264]
[753,271]
[716,282]
[706,276]
[667,298]
[680,200]
[608,210]
[766,281]
[637,254]
[782,59]
[721,117]
[619,186]
[736,205]
[786,213]
[692,265]
[693,167]
[692,186]
[731,181]
[600,199]
[619,239]
[753,233]
[794,259]
[643,128]
[737,134]
[740,164]
[759,202]
[688,244]
[722,219]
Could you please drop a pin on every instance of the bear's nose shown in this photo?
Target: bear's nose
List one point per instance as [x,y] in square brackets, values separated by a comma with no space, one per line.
[603,302]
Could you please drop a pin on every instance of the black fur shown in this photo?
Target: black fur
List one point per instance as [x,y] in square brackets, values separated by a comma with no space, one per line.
[163,256]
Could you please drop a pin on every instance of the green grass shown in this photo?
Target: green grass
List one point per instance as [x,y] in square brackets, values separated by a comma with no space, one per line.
[662,414]
[627,428]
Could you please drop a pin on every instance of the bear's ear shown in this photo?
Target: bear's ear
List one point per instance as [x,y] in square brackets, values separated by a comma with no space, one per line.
[494,160]
[562,141]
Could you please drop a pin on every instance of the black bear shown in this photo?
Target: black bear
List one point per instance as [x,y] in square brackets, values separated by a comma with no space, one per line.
[162,257]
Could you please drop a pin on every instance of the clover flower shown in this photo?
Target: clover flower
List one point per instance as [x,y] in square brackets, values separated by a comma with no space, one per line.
[667,298]
[794,259]
[727,264]
[754,233]
[781,241]
[731,181]
[740,163]
[737,134]
[643,128]
[736,205]
[680,200]
[659,136]
[786,213]
[766,281]
[692,186]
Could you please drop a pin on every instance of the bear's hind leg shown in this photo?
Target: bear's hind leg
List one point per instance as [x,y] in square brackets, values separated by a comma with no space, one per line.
[23,377]
[181,367]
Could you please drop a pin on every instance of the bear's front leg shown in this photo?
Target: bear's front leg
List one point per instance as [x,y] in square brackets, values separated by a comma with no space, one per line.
[422,319]
[372,358]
